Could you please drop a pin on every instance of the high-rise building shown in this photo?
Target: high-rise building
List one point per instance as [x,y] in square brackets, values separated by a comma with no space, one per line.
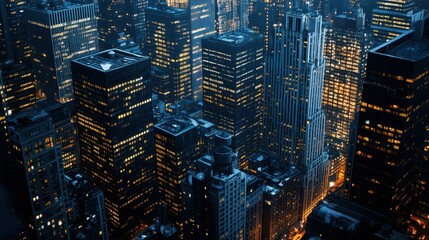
[17,93]
[392,18]
[215,196]
[59,33]
[392,123]
[66,134]
[265,14]
[115,123]
[87,214]
[233,66]
[169,48]
[15,32]
[281,194]
[112,22]
[36,174]
[136,21]
[293,121]
[177,145]
[231,15]
[347,45]
[202,25]
[5,41]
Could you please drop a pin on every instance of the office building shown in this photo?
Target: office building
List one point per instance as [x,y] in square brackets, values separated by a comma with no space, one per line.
[136,21]
[15,35]
[17,93]
[66,133]
[215,196]
[115,123]
[232,86]
[347,45]
[231,15]
[87,214]
[392,125]
[202,25]
[112,22]
[293,121]
[60,33]
[36,174]
[178,144]
[169,48]
[337,218]
[5,41]
[281,194]
[391,18]
[266,14]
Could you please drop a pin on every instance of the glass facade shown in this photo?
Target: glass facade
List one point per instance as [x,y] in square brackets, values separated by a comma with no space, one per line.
[232,86]
[169,48]
[58,35]
[115,123]
[391,128]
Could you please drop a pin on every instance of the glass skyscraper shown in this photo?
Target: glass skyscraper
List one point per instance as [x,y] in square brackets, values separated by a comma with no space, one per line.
[115,123]
[169,49]
[392,126]
[58,35]
[232,86]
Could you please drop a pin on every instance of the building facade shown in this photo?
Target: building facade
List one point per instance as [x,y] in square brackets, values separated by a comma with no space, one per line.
[177,145]
[37,175]
[347,45]
[391,18]
[392,125]
[115,123]
[232,86]
[293,121]
[169,48]
[60,33]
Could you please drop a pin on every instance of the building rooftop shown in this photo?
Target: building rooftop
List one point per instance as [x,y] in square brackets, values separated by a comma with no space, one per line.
[110,60]
[177,126]
[26,118]
[51,6]
[414,50]
[237,37]
[413,45]
[163,8]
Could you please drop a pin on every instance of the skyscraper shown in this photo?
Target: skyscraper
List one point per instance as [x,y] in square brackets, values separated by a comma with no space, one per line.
[177,147]
[59,33]
[266,13]
[15,32]
[136,21]
[36,173]
[294,122]
[392,123]
[202,25]
[112,22]
[231,15]
[115,123]
[17,93]
[346,50]
[169,48]
[391,18]
[232,85]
